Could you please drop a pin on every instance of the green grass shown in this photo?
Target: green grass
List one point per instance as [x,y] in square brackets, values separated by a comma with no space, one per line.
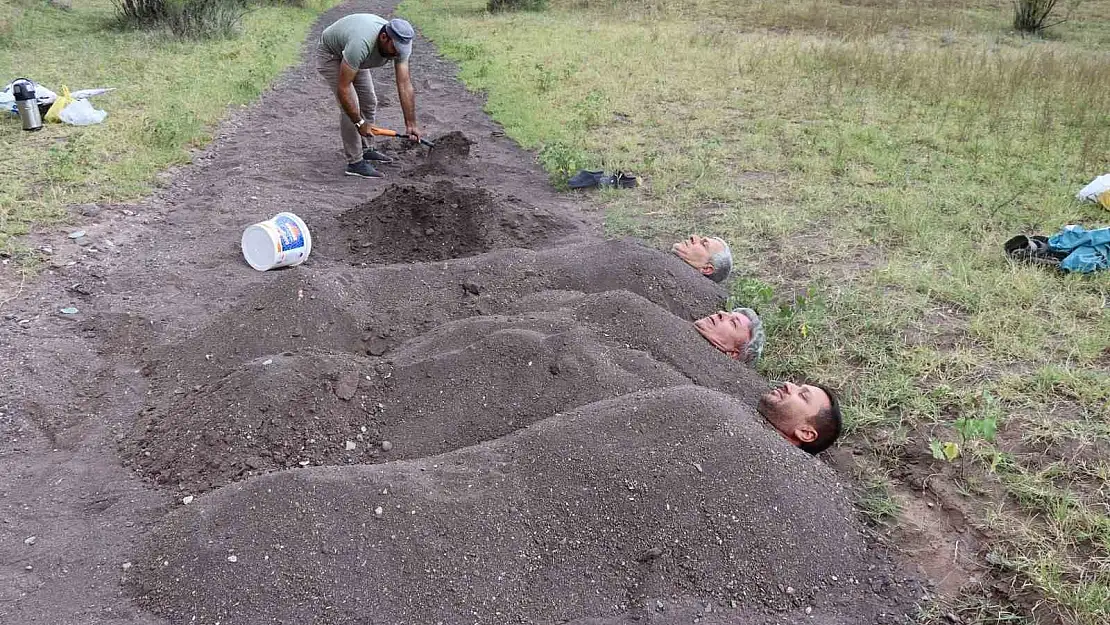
[866,160]
[170,95]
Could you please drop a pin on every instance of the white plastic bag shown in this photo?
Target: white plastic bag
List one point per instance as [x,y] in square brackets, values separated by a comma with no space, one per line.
[43,95]
[1091,192]
[82,113]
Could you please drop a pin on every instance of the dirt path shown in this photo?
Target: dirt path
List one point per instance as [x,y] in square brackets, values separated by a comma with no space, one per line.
[173,329]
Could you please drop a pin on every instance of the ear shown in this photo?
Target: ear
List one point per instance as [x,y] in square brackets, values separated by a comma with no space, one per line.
[805,433]
[707,270]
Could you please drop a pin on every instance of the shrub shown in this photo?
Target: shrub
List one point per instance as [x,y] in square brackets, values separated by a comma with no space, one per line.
[516,5]
[1030,15]
[193,19]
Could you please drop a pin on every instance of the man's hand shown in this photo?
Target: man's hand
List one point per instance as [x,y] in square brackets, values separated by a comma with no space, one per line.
[412,131]
[366,129]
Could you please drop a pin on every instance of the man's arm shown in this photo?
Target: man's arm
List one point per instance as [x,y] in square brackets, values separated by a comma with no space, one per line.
[348,99]
[408,99]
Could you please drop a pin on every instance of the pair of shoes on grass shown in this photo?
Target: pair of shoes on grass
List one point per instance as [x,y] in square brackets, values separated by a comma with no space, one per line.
[364,168]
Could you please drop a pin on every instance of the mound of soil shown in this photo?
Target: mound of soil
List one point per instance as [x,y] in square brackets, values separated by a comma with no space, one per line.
[625,264]
[452,146]
[466,384]
[612,512]
[439,222]
[290,312]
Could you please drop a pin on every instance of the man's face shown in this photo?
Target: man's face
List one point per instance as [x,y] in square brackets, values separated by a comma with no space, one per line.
[697,250]
[385,45]
[792,409]
[728,332]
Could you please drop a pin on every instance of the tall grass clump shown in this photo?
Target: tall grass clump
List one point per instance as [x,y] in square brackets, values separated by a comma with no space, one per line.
[495,6]
[1030,16]
[187,19]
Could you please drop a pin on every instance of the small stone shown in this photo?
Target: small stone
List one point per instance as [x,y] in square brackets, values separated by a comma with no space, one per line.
[28,567]
[698,467]
[386,445]
[187,499]
[347,385]
[953,618]
[429,231]
[69,310]
[76,234]
[303,463]
[659,604]
[268,361]
[650,554]
[376,346]
[233,558]
[809,610]
[350,445]
[84,242]
[126,565]
[89,210]
[30,540]
[378,511]
[472,288]
[790,590]
[46,249]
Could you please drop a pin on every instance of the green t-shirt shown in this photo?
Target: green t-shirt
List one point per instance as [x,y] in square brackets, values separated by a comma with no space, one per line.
[355,38]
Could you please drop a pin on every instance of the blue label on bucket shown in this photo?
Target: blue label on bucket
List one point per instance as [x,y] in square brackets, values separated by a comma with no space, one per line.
[290,233]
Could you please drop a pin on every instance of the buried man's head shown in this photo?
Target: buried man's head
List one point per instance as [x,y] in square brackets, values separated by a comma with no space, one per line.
[709,255]
[739,334]
[807,415]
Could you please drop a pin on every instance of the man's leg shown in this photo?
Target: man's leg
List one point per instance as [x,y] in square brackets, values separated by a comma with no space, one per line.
[328,67]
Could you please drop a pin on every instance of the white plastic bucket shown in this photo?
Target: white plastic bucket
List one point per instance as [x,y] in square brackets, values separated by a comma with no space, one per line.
[279,242]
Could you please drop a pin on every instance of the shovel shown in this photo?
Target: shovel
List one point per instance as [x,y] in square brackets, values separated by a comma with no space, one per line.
[385,132]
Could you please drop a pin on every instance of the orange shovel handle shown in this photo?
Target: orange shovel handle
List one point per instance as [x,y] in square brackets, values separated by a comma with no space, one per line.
[383,132]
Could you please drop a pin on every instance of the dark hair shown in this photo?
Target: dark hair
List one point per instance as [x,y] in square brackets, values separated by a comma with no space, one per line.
[827,423]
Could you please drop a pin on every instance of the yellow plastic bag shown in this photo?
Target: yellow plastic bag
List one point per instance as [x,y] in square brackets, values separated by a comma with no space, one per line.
[54,115]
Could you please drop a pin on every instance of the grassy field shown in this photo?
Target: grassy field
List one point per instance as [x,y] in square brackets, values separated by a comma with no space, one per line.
[867,159]
[170,95]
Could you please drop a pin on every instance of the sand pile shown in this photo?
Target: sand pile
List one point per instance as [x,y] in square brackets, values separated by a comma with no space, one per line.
[462,383]
[371,310]
[616,510]
[415,222]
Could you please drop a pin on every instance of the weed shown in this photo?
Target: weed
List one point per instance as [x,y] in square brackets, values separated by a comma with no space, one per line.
[1031,16]
[516,5]
[193,19]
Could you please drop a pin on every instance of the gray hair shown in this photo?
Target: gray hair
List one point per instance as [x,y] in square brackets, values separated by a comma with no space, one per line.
[754,349]
[722,263]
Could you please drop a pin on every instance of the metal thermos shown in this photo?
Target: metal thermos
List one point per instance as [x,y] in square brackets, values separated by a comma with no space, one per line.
[27,105]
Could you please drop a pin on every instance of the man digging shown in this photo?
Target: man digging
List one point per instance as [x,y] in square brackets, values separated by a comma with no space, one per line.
[348,49]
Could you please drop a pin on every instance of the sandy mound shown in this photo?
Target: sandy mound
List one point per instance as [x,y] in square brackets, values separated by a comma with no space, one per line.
[465,383]
[371,310]
[293,311]
[658,498]
[624,264]
[441,221]
[451,147]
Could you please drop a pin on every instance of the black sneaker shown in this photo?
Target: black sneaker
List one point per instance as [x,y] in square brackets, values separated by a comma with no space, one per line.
[370,154]
[363,169]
